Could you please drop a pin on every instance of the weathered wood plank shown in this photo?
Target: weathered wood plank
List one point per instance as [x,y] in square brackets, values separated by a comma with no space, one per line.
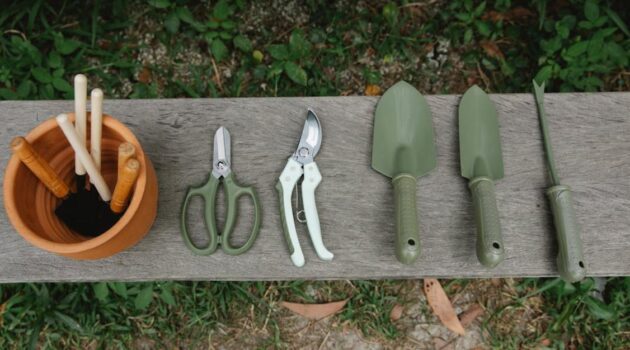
[590,132]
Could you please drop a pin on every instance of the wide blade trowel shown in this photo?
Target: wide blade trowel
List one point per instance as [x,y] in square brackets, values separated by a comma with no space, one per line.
[570,259]
[403,149]
[481,163]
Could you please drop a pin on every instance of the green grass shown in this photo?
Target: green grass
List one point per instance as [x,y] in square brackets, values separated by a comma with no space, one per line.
[178,48]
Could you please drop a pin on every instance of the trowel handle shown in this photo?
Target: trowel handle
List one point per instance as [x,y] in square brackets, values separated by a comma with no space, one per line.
[407,236]
[570,258]
[489,241]
[44,172]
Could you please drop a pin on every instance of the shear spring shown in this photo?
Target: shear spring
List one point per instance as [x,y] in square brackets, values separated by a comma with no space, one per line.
[299,213]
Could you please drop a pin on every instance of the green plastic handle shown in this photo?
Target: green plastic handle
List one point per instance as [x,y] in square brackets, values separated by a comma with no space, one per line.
[407,236]
[233,191]
[489,241]
[570,258]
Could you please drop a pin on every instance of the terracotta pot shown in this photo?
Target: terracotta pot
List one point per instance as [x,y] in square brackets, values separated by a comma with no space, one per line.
[31,207]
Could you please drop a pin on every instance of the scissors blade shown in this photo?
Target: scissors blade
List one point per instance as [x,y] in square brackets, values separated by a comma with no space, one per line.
[222,155]
[311,139]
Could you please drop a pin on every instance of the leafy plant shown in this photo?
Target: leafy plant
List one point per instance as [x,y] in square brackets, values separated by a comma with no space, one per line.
[288,58]
[583,47]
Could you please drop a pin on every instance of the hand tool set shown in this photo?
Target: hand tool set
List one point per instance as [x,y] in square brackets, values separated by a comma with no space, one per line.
[403,149]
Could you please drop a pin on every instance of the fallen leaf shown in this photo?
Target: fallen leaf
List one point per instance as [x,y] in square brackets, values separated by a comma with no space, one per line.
[493,16]
[3,307]
[145,75]
[492,49]
[521,13]
[441,306]
[517,14]
[441,344]
[396,312]
[545,342]
[315,311]
[467,317]
[372,90]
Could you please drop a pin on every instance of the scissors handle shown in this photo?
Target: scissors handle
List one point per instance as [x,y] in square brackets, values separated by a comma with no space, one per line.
[233,191]
[208,193]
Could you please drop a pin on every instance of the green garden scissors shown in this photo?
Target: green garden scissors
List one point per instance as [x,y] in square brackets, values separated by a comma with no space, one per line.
[233,191]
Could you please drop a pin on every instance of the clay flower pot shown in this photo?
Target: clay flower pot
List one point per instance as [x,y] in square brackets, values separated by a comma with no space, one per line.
[31,207]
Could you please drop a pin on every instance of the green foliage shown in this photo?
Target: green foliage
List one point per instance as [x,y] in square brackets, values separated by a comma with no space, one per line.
[580,47]
[579,314]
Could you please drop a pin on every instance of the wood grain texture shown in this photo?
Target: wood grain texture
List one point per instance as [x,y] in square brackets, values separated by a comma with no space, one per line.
[590,134]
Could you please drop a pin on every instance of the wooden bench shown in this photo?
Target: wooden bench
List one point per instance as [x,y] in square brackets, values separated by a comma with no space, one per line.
[590,133]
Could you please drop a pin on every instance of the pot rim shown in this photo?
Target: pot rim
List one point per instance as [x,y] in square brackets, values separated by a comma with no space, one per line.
[65,248]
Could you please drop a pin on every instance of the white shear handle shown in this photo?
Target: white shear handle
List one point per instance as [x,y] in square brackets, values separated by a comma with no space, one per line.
[290,175]
[312,178]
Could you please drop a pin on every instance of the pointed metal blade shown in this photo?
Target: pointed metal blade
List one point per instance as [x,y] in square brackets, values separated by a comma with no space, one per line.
[403,133]
[479,139]
[222,153]
[311,139]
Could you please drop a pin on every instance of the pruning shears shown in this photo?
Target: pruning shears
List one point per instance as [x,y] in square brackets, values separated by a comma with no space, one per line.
[302,165]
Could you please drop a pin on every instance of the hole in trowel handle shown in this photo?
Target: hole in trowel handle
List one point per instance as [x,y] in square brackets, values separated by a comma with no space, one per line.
[411,242]
[496,245]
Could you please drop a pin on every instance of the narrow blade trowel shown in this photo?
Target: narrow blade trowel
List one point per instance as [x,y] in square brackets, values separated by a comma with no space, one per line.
[570,260]
[403,149]
[481,163]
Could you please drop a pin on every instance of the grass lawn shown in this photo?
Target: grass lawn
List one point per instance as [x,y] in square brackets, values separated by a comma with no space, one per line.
[179,48]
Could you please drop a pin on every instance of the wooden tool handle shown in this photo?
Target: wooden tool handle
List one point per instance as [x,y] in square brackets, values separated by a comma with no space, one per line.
[124,185]
[126,151]
[81,153]
[44,172]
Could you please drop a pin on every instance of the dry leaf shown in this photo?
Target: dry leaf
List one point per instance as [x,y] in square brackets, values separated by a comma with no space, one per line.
[545,342]
[492,49]
[467,317]
[372,90]
[396,312]
[441,344]
[145,75]
[315,311]
[517,14]
[441,306]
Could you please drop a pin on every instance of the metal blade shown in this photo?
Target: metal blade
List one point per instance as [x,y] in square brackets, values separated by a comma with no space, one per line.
[403,133]
[539,94]
[222,154]
[311,139]
[479,139]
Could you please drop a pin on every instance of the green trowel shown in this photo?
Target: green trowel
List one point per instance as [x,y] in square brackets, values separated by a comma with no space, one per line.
[481,163]
[570,259]
[403,149]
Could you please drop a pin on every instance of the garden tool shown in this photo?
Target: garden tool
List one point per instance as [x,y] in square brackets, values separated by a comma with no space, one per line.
[77,211]
[403,149]
[481,163]
[83,215]
[96,126]
[126,151]
[124,184]
[42,170]
[80,123]
[570,260]
[302,165]
[221,173]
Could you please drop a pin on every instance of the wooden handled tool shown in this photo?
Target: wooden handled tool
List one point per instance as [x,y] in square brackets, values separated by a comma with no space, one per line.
[129,174]
[126,151]
[80,117]
[44,172]
[83,155]
[96,126]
